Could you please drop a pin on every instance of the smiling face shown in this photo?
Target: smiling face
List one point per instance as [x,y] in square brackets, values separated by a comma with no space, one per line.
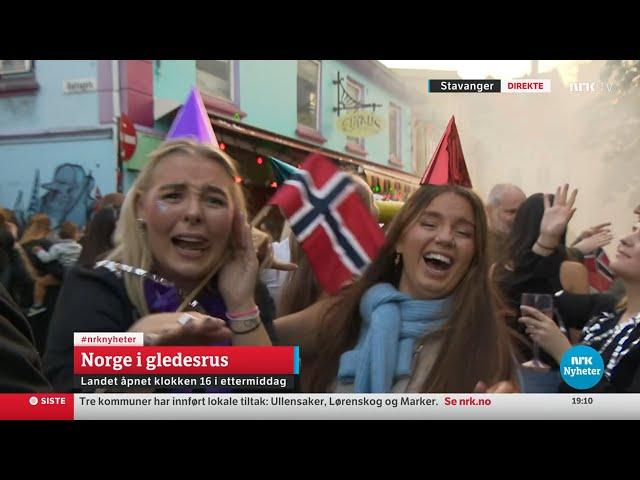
[626,263]
[188,215]
[437,248]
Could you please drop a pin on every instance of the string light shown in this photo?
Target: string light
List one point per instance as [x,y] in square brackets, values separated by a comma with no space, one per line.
[238,179]
[259,160]
[223,146]
[274,185]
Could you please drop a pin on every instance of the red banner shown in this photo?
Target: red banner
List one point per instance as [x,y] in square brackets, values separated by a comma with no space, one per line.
[36,406]
[184,360]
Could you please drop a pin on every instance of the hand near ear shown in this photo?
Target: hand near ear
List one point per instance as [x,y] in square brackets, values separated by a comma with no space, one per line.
[237,278]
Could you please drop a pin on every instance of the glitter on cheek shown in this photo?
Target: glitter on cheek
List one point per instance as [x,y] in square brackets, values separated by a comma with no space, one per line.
[163,207]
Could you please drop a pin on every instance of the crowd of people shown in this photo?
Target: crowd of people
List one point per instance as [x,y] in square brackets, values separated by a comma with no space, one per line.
[438,310]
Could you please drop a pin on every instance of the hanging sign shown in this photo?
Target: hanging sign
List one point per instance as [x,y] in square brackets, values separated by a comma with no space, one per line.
[360,124]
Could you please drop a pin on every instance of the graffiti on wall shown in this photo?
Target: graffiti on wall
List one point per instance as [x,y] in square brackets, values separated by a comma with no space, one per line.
[68,196]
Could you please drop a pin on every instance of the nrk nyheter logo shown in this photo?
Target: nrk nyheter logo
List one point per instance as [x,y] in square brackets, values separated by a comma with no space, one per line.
[581,367]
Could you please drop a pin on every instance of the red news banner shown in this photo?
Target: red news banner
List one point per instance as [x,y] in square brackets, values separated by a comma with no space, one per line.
[236,368]
[127,368]
[36,406]
[187,360]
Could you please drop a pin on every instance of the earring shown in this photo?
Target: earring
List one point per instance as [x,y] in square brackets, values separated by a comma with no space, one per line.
[141,223]
[397,259]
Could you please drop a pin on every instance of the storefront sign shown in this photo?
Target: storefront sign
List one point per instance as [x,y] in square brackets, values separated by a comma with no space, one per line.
[80,85]
[360,124]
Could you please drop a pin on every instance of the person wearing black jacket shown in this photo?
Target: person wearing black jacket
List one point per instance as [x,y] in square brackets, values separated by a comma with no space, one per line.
[104,306]
[183,270]
[20,367]
[538,231]
[612,329]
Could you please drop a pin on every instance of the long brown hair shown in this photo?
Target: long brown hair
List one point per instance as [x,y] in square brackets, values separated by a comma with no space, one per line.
[475,342]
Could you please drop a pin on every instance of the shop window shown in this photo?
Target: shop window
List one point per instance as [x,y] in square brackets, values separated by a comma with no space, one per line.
[215,78]
[308,93]
[17,77]
[12,67]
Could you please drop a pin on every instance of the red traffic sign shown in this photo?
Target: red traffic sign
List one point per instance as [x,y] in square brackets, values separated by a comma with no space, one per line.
[128,138]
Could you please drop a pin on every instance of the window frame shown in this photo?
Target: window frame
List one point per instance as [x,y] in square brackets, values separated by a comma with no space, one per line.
[395,157]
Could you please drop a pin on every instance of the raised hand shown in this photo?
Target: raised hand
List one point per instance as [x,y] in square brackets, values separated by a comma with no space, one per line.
[556,216]
[594,241]
[602,227]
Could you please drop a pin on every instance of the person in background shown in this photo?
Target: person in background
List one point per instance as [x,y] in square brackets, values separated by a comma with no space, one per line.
[14,274]
[20,365]
[50,275]
[66,251]
[502,204]
[114,200]
[532,231]
[613,329]
[98,238]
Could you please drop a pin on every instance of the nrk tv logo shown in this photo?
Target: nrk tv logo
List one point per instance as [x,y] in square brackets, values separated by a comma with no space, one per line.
[581,367]
[592,87]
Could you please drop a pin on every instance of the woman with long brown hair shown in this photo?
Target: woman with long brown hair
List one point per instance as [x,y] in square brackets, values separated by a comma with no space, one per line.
[423,318]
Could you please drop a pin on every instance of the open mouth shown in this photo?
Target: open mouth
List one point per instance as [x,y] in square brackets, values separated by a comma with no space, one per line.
[191,245]
[438,261]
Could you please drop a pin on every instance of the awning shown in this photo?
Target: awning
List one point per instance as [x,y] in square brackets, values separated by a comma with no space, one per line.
[394,175]
[163,107]
[369,167]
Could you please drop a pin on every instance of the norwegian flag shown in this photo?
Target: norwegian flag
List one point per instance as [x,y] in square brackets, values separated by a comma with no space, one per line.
[334,228]
[600,275]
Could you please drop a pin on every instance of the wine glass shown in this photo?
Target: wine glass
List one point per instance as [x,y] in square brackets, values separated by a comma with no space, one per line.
[544,303]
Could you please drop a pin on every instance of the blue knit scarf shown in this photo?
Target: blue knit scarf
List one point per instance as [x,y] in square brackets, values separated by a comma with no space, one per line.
[391,321]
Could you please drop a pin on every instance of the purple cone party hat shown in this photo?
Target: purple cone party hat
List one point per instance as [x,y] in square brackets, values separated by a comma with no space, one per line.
[193,122]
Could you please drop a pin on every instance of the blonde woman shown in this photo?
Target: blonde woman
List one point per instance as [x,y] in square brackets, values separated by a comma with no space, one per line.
[183,227]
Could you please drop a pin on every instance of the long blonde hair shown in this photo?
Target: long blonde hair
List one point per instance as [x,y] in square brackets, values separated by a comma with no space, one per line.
[131,245]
